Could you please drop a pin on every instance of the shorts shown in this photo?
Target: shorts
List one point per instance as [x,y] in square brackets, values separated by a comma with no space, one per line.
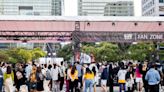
[129,83]
[139,80]
[103,82]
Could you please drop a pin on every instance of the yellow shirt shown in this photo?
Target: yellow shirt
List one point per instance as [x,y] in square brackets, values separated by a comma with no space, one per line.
[74,76]
[121,81]
[89,76]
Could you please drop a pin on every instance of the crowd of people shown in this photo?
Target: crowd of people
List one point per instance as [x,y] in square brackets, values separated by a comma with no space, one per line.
[78,77]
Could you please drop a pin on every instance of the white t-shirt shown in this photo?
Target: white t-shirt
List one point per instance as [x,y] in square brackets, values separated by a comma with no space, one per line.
[62,71]
[44,70]
[3,69]
[121,74]
[54,73]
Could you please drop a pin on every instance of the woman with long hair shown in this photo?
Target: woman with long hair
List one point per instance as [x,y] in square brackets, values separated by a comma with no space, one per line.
[74,79]
[40,79]
[88,78]
[33,79]
[139,80]
[110,79]
[9,80]
[20,78]
[95,78]
[68,78]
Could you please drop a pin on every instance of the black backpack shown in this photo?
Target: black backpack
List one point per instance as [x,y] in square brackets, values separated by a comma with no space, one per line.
[127,76]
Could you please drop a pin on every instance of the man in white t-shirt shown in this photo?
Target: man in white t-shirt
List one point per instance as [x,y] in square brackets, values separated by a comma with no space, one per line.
[54,74]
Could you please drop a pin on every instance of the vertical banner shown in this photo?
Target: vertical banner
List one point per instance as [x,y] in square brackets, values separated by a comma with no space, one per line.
[77,56]
[92,58]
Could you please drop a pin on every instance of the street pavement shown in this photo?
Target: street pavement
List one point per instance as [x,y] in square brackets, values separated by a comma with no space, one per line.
[99,89]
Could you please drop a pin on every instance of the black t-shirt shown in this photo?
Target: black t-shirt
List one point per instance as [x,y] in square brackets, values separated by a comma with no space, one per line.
[128,75]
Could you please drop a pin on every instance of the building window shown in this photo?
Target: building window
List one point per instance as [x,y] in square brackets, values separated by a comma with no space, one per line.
[25,8]
[161,15]
[160,1]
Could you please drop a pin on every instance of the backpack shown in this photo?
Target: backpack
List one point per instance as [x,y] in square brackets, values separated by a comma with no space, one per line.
[104,74]
[127,76]
[48,75]
[19,75]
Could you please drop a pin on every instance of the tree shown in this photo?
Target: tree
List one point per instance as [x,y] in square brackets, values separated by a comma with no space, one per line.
[25,55]
[141,51]
[66,52]
[37,53]
[3,56]
[19,55]
[103,52]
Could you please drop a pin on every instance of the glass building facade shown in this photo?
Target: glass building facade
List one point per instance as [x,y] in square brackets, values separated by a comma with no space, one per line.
[105,8]
[152,7]
[31,7]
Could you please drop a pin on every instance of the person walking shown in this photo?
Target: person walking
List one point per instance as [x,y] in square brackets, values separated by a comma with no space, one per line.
[28,70]
[95,80]
[1,79]
[33,79]
[74,79]
[139,80]
[55,72]
[9,80]
[153,78]
[121,78]
[88,79]
[104,78]
[40,79]
[129,79]
[20,78]
[47,79]
[144,71]
[68,78]
[80,73]
[110,78]
[62,76]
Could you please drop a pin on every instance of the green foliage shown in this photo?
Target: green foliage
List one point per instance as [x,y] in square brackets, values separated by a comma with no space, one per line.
[37,53]
[21,55]
[66,52]
[103,52]
[114,52]
[141,51]
[3,56]
[25,55]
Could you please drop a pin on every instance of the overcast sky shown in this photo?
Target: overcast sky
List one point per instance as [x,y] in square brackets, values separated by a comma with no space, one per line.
[71,7]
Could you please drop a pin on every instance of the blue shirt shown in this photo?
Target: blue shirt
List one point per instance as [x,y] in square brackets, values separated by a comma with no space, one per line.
[28,70]
[79,69]
[152,76]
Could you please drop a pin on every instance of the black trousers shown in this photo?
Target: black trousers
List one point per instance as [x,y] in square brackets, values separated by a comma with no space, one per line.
[154,88]
[74,85]
[80,81]
[61,83]
[111,85]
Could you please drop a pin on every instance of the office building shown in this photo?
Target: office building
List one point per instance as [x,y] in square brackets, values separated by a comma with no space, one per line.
[152,7]
[105,8]
[31,7]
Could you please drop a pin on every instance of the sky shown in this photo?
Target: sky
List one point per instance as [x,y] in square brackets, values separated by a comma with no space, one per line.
[71,8]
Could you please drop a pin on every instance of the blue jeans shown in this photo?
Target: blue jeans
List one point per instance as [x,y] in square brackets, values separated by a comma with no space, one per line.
[122,86]
[1,84]
[88,84]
